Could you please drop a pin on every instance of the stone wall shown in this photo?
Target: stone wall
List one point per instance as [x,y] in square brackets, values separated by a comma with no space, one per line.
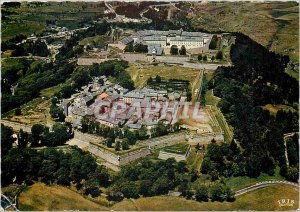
[17,126]
[167,140]
[87,138]
[116,159]
[206,138]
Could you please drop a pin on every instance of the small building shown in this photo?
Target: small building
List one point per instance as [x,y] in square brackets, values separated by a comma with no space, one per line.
[155,50]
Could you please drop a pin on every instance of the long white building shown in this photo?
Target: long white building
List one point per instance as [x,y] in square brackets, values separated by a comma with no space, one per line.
[166,39]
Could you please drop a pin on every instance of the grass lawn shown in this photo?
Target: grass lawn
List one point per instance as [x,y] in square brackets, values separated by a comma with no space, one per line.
[263,199]
[97,40]
[228,131]
[177,149]
[237,183]
[49,92]
[195,159]
[140,75]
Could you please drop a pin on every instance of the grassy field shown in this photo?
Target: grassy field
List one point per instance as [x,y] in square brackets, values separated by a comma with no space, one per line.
[61,198]
[96,40]
[194,161]
[178,148]
[57,198]
[140,74]
[228,131]
[240,182]
[263,199]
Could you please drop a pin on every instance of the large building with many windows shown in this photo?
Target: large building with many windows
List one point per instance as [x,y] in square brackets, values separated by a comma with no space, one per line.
[169,38]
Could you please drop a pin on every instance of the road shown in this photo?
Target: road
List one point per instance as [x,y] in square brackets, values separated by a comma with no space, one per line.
[265,184]
[6,203]
[285,136]
[16,126]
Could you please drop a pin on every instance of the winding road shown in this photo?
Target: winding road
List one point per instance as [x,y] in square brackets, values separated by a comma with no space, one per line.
[265,184]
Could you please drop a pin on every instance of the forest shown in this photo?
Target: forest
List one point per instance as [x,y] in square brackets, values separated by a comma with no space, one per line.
[256,78]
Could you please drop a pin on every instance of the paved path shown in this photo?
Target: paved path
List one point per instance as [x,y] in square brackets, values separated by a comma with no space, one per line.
[265,184]
[16,126]
[6,200]
[287,135]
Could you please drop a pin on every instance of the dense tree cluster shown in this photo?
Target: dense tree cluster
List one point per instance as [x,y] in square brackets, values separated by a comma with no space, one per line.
[174,50]
[148,178]
[82,76]
[22,164]
[35,48]
[136,48]
[41,136]
[256,78]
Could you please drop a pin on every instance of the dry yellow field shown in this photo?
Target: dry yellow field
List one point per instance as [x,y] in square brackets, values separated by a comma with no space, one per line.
[140,74]
[42,197]
[264,199]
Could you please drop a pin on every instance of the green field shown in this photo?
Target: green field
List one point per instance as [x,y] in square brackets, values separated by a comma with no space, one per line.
[240,182]
[195,159]
[177,149]
[31,18]
[61,198]
[140,74]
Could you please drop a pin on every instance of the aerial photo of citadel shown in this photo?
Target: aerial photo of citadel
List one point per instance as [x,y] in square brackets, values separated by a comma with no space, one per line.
[150,106]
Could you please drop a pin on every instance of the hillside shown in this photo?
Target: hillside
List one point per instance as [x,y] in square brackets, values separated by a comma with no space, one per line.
[61,198]
[274,25]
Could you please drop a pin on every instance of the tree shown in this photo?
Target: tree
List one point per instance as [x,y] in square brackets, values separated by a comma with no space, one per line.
[213,42]
[127,188]
[129,48]
[200,57]
[91,187]
[212,58]
[131,137]
[158,79]
[204,58]
[118,146]
[219,55]
[140,48]
[181,166]
[18,111]
[125,145]
[202,193]
[101,175]
[22,139]
[174,50]
[7,139]
[144,188]
[142,133]
[292,174]
[161,186]
[218,192]
[115,196]
[57,113]
[60,133]
[37,131]
[182,51]
[149,81]
[109,142]
[183,187]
